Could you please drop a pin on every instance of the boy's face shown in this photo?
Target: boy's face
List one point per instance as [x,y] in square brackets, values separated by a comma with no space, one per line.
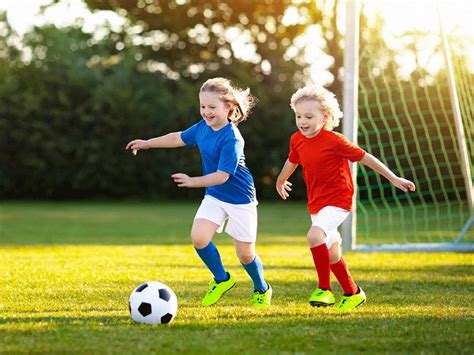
[309,118]
[213,110]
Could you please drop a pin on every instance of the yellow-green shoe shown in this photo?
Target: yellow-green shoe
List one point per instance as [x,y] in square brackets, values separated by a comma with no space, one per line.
[263,299]
[321,298]
[349,303]
[216,290]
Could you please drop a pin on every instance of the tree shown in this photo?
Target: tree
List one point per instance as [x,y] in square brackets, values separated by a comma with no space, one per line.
[68,111]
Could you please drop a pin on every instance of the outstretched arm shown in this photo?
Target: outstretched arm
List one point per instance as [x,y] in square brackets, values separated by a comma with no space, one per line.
[283,186]
[217,178]
[170,140]
[376,165]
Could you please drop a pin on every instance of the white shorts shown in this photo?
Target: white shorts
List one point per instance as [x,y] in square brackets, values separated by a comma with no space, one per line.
[242,219]
[328,219]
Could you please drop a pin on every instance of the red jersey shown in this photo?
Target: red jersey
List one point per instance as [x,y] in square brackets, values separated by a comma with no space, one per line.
[325,162]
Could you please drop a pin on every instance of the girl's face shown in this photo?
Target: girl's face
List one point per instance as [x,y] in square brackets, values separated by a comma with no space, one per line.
[213,109]
[309,118]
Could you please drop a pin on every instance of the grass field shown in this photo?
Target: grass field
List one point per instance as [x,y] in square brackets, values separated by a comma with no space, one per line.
[67,270]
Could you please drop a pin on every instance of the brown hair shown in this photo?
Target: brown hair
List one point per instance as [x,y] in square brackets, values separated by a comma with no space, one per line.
[241,101]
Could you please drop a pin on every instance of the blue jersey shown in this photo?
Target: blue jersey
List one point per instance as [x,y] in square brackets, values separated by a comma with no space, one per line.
[223,150]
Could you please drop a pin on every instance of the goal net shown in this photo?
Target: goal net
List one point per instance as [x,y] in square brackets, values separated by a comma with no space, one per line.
[406,118]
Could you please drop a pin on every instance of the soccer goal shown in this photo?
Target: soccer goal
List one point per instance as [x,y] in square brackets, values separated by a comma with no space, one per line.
[409,100]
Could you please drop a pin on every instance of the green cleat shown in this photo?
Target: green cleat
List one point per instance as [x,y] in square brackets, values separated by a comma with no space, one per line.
[263,299]
[348,303]
[216,290]
[321,298]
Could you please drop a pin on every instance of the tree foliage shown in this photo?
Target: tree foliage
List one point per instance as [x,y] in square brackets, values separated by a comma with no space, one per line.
[70,100]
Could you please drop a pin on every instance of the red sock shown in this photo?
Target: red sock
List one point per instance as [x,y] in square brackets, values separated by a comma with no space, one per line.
[341,271]
[323,268]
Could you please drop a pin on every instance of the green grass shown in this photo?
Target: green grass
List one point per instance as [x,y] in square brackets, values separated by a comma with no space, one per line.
[425,223]
[67,270]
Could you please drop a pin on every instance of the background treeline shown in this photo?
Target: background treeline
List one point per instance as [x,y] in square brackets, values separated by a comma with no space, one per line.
[70,100]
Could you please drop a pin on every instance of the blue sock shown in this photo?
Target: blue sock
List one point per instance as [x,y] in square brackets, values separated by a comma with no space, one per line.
[255,271]
[211,257]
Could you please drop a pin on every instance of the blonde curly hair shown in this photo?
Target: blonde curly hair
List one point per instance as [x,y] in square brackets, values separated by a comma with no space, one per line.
[327,100]
[240,101]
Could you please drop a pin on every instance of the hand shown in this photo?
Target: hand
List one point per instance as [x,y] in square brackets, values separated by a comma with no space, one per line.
[403,184]
[182,180]
[283,189]
[136,145]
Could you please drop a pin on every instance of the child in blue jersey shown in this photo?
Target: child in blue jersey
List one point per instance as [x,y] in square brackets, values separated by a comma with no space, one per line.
[229,187]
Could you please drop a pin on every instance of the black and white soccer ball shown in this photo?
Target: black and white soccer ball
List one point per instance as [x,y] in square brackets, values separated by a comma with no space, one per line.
[154,303]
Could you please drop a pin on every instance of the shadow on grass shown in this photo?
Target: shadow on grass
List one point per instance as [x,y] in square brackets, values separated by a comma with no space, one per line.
[254,333]
[456,270]
[139,236]
[445,270]
[438,294]
[404,316]
[159,223]
[115,223]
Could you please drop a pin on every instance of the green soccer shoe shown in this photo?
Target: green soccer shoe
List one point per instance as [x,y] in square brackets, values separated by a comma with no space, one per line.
[321,298]
[349,303]
[216,290]
[263,299]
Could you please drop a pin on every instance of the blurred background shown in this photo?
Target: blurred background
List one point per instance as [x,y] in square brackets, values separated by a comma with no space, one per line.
[79,79]
[83,222]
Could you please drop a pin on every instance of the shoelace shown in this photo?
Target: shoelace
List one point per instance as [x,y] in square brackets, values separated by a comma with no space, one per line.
[211,290]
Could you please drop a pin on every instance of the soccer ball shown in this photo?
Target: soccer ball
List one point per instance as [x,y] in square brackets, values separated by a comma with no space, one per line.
[153,303]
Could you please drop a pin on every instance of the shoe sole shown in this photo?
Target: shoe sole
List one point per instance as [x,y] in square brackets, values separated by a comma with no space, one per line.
[320,304]
[230,288]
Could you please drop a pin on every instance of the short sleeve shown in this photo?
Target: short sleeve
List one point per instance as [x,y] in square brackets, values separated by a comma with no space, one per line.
[189,136]
[293,155]
[230,155]
[348,150]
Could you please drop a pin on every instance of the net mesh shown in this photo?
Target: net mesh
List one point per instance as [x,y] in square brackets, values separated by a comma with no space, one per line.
[406,120]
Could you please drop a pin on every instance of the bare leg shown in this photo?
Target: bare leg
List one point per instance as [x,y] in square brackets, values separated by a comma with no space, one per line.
[251,263]
[201,234]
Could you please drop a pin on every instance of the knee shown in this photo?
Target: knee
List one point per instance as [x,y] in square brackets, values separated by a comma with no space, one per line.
[315,237]
[334,257]
[246,257]
[199,241]
[335,253]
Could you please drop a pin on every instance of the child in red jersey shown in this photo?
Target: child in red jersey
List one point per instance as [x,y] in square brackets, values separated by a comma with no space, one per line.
[324,156]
